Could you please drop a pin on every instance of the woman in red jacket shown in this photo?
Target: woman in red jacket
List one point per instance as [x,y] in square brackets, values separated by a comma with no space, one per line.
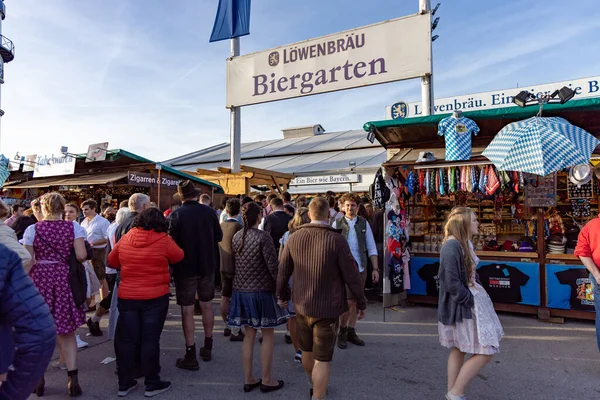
[143,255]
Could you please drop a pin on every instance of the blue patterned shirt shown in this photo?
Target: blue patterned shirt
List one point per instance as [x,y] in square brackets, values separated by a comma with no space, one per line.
[458,137]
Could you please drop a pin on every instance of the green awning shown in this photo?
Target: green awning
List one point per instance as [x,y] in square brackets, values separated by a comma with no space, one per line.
[417,132]
[116,152]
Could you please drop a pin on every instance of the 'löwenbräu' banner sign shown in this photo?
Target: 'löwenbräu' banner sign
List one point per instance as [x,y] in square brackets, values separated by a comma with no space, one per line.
[385,52]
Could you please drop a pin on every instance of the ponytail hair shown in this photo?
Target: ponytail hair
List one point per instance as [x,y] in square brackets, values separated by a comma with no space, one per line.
[250,214]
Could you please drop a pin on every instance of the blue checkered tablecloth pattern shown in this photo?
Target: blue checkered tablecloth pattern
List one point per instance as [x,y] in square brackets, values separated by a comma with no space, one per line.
[457,132]
[540,146]
[4,172]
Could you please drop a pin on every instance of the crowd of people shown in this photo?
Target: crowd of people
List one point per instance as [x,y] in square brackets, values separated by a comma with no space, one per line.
[249,248]
[303,264]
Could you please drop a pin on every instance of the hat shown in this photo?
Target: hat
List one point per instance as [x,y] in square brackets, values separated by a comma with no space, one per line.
[580,174]
[426,156]
[186,190]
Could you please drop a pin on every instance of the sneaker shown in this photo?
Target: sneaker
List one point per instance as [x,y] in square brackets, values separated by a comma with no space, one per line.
[237,338]
[353,337]
[80,343]
[124,391]
[57,364]
[94,327]
[450,396]
[342,339]
[227,332]
[298,356]
[158,388]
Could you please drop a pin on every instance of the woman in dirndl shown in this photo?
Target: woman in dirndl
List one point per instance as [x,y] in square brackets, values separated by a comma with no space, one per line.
[253,302]
[50,242]
[467,322]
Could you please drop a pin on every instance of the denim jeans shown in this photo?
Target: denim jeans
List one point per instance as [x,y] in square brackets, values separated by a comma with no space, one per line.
[139,328]
[597,305]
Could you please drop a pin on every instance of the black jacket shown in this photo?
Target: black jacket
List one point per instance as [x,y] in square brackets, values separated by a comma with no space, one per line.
[195,228]
[125,226]
[24,310]
[276,224]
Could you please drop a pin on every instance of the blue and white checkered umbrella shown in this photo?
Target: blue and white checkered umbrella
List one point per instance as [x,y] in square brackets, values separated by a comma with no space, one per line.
[540,146]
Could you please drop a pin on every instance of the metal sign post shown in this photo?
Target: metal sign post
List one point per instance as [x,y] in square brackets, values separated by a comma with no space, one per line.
[236,121]
[427,80]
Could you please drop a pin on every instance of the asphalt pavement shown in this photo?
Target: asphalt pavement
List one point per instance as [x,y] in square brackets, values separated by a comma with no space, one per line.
[402,359]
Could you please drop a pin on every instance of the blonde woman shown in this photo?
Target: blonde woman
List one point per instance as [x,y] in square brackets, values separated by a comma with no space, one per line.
[300,218]
[467,322]
[49,242]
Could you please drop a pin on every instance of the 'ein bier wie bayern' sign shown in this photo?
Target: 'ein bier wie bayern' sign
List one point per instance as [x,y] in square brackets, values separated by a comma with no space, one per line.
[389,51]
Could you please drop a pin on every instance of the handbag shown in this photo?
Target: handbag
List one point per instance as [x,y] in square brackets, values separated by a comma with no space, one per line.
[77,274]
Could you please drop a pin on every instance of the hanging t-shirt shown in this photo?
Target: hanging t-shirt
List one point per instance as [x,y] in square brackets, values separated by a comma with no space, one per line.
[502,282]
[582,293]
[430,274]
[457,132]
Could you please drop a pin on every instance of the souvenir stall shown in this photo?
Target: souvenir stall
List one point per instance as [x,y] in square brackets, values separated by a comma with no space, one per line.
[529,223]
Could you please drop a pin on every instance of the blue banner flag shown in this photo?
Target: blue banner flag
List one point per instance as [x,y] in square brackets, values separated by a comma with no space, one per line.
[233,20]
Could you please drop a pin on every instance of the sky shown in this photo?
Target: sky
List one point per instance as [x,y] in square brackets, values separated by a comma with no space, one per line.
[142,75]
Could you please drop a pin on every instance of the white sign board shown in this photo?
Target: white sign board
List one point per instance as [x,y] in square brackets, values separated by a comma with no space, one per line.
[54,166]
[584,88]
[96,152]
[325,179]
[29,162]
[385,52]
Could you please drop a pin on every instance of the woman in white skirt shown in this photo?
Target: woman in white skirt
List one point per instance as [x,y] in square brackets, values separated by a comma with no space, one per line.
[467,322]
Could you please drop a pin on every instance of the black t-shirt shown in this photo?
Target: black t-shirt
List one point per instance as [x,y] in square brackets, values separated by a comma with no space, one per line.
[430,274]
[396,276]
[502,282]
[582,294]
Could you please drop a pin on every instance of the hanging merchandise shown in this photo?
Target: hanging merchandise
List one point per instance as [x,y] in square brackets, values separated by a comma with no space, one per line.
[427,183]
[474,179]
[451,180]
[421,181]
[463,179]
[432,186]
[381,193]
[457,132]
[492,182]
[437,181]
[411,183]
[442,187]
[468,178]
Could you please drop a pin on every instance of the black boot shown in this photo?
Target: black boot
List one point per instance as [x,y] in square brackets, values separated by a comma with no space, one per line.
[73,385]
[206,351]
[189,361]
[353,337]
[342,339]
[39,390]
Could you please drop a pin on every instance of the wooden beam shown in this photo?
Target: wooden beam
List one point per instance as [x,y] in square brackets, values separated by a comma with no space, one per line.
[202,171]
[224,170]
[276,184]
[267,172]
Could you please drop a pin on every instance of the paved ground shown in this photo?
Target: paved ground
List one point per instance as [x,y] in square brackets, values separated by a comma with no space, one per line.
[402,360]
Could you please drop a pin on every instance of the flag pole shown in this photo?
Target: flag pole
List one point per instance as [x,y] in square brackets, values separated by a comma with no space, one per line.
[235,124]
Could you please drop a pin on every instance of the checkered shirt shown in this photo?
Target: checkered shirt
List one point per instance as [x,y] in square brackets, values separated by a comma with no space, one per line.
[457,132]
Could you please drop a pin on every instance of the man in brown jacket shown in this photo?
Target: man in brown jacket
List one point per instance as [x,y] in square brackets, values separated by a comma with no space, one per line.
[318,259]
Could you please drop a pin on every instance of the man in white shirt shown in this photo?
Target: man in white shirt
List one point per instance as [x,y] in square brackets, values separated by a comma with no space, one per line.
[357,232]
[96,227]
